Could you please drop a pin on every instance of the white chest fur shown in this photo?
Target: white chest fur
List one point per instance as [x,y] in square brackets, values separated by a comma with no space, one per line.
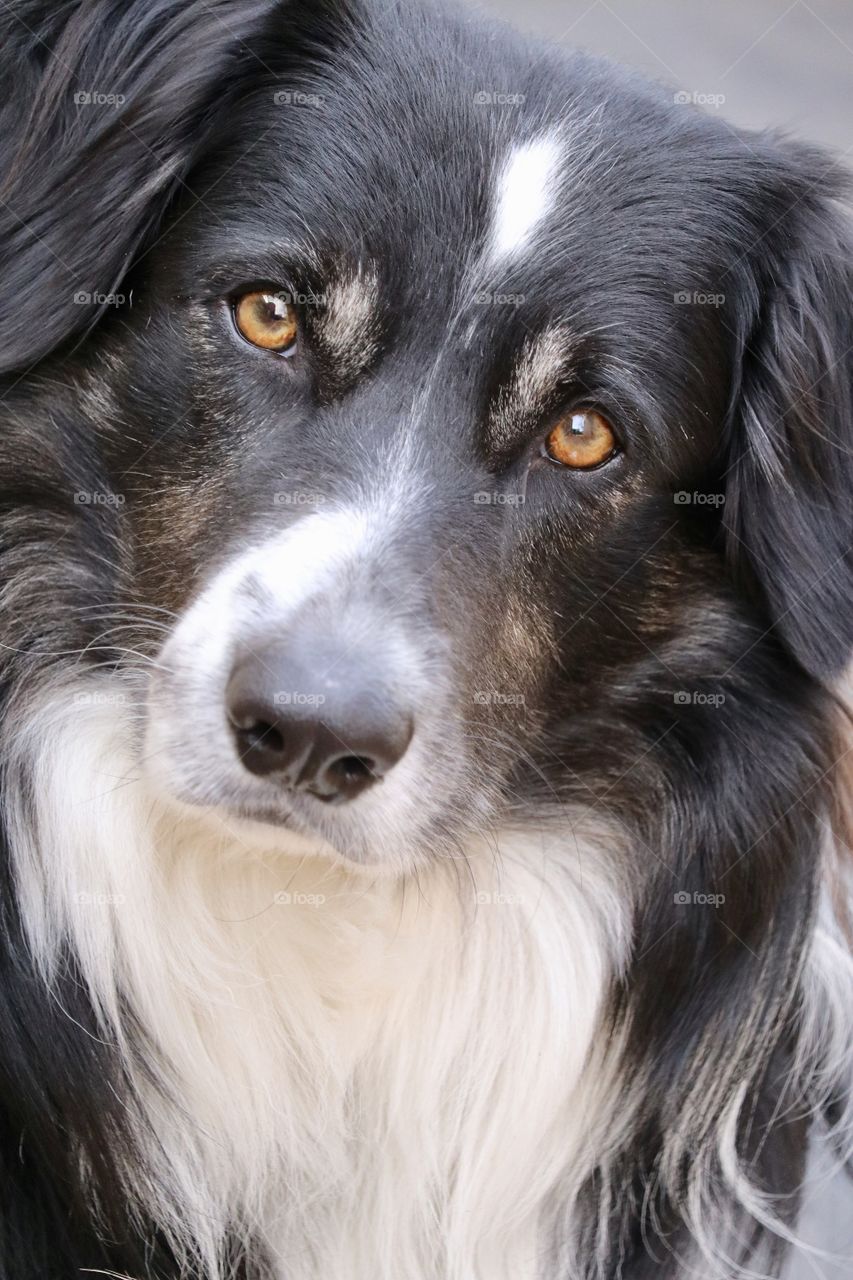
[377,1079]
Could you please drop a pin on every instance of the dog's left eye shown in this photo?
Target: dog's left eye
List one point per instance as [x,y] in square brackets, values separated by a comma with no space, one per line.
[581,440]
[267,320]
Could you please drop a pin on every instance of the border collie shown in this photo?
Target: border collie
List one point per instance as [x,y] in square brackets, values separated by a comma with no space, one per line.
[425,598]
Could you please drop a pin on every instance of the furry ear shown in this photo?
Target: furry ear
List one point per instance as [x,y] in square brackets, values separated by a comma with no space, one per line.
[789,503]
[108,104]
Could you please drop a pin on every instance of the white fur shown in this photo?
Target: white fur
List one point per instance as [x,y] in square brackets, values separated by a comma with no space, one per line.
[543,361]
[524,196]
[376,1078]
[372,1078]
[333,560]
[348,324]
[285,570]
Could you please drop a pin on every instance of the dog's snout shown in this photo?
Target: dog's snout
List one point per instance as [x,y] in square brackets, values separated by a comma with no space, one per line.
[316,720]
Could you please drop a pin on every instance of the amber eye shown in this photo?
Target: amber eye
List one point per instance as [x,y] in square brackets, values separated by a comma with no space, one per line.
[267,320]
[581,440]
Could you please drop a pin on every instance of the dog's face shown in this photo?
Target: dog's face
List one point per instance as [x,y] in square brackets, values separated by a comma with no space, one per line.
[423,415]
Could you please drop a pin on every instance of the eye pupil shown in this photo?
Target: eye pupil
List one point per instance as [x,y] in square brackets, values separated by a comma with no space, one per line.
[267,320]
[582,440]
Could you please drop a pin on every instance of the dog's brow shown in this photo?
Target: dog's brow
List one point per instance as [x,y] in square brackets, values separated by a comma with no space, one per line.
[348,323]
[544,361]
[261,258]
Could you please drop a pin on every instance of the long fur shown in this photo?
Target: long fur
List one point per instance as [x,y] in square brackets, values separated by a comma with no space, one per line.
[315,1043]
[566,995]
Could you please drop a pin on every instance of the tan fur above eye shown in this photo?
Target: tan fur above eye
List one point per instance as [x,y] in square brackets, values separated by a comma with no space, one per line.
[581,440]
[267,320]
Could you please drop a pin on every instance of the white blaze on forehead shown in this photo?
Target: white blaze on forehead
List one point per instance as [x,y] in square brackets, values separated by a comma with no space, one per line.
[271,581]
[525,193]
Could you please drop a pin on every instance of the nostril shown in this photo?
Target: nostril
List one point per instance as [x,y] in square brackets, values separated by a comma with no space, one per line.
[345,777]
[333,746]
[352,769]
[260,733]
[264,744]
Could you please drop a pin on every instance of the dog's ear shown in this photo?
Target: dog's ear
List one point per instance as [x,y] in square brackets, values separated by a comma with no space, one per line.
[789,502]
[106,105]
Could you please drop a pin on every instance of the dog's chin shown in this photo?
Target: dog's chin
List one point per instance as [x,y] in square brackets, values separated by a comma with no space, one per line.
[284,828]
[392,830]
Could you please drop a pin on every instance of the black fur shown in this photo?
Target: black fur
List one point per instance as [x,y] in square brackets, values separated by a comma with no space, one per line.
[637,611]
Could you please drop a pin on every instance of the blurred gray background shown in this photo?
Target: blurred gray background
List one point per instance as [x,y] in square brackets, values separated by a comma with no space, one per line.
[771,63]
[774,63]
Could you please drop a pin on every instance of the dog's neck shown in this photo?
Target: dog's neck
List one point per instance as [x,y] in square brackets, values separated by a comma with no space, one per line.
[338,1064]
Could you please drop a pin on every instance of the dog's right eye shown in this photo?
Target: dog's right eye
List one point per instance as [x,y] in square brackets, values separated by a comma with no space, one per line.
[267,320]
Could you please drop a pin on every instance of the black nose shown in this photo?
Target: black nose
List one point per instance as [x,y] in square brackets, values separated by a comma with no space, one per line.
[314,718]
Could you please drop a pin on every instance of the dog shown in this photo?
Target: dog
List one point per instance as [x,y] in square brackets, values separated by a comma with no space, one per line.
[425,556]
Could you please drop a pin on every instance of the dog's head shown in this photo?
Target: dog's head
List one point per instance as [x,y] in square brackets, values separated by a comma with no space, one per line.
[464,401]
